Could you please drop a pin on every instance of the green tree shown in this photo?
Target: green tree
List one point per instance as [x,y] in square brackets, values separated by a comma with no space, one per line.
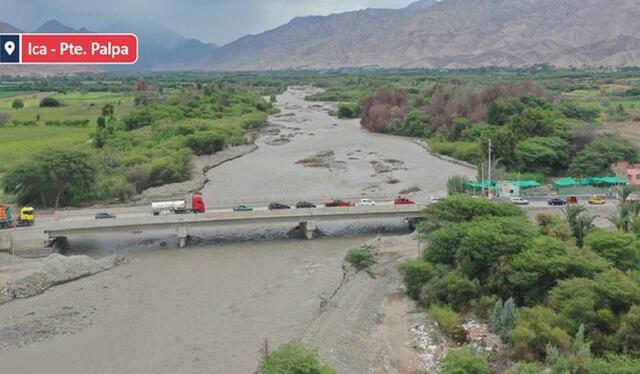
[49,175]
[535,122]
[17,104]
[464,360]
[107,110]
[360,258]
[504,317]
[500,110]
[546,155]
[629,332]
[456,184]
[622,249]
[535,328]
[597,157]
[415,124]
[49,102]
[294,358]
[416,273]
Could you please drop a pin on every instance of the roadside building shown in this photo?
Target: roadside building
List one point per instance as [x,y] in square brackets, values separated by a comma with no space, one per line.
[625,169]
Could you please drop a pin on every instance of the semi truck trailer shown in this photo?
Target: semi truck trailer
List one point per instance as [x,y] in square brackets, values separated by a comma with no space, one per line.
[25,218]
[178,206]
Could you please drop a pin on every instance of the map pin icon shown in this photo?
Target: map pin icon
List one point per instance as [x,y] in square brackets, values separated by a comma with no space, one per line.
[9,47]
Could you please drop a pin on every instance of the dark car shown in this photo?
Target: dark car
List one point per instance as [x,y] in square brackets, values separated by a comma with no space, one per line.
[305,204]
[556,201]
[274,206]
[105,215]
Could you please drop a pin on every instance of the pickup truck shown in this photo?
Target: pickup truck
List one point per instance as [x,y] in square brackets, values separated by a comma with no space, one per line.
[339,203]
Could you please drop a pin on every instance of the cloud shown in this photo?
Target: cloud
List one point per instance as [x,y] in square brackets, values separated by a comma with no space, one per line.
[218,21]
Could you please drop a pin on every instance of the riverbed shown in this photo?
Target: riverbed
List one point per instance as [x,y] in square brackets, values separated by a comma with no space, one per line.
[210,307]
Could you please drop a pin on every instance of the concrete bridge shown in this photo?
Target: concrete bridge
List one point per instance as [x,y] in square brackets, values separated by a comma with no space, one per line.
[305,219]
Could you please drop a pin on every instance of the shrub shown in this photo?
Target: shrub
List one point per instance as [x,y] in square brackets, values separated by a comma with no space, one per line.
[294,358]
[49,102]
[446,318]
[4,118]
[360,258]
[612,364]
[415,274]
[535,328]
[525,368]
[17,104]
[504,317]
[456,184]
[621,248]
[205,143]
[483,306]
[455,289]
[464,360]
[348,111]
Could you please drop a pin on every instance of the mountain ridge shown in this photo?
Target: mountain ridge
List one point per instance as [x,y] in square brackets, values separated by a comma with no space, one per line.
[449,34]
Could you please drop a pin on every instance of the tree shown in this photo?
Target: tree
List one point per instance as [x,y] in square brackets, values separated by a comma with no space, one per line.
[4,118]
[49,102]
[107,110]
[360,258]
[533,122]
[415,124]
[504,317]
[416,273]
[622,249]
[456,184]
[294,358]
[629,332]
[500,110]
[17,104]
[542,154]
[464,360]
[580,223]
[49,175]
[597,157]
[537,327]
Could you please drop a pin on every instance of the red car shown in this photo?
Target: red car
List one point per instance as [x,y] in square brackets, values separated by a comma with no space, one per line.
[402,201]
[332,203]
[571,200]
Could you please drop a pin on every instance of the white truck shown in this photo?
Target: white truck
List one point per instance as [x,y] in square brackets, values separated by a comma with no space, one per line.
[168,207]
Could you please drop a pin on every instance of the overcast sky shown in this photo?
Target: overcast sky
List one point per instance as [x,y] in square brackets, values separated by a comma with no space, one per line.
[218,21]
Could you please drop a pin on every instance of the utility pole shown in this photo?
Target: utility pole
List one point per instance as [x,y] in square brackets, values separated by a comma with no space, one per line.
[482,177]
[489,170]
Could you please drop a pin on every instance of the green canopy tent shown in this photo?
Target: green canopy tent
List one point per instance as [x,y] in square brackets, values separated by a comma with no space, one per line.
[564,183]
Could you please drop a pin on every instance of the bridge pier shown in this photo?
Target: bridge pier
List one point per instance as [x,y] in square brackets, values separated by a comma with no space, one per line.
[308,229]
[182,236]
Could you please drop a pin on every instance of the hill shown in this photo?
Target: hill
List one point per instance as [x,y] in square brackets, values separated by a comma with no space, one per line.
[445,34]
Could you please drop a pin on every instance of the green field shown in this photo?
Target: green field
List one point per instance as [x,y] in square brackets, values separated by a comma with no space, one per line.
[18,144]
[5,94]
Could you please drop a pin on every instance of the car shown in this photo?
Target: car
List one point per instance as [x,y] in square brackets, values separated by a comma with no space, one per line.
[367,202]
[434,200]
[275,206]
[242,208]
[305,204]
[340,203]
[595,200]
[556,201]
[105,215]
[402,201]
[519,200]
[571,200]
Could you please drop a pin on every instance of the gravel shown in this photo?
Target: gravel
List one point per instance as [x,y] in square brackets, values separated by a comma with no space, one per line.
[37,275]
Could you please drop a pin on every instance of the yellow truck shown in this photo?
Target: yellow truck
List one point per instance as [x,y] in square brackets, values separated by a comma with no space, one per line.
[26,217]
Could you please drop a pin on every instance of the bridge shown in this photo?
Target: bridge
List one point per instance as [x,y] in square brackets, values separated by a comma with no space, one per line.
[306,220]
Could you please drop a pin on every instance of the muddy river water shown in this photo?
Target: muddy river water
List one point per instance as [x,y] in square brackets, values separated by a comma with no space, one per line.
[208,308]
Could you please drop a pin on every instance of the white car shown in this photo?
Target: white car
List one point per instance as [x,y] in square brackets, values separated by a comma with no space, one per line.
[434,200]
[519,200]
[367,202]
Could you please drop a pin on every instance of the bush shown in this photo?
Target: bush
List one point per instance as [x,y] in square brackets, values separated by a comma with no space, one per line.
[360,258]
[454,289]
[622,249]
[415,274]
[525,368]
[535,328]
[17,104]
[348,111]
[294,358]
[504,317]
[612,364]
[205,143]
[4,118]
[465,151]
[464,360]
[456,184]
[49,102]
[446,318]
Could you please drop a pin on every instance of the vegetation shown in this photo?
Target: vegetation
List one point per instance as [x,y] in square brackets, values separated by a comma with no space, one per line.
[571,306]
[135,139]
[464,360]
[360,258]
[294,358]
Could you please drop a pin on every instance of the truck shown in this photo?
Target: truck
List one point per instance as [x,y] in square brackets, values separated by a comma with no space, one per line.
[25,218]
[178,206]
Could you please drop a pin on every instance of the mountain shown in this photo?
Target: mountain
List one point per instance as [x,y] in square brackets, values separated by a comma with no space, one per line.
[40,70]
[447,34]
[55,27]
[160,45]
[422,4]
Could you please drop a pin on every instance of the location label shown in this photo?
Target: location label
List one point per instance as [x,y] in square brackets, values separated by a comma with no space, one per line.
[69,48]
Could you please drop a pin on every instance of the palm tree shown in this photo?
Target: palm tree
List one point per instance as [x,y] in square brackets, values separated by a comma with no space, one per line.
[572,212]
[584,226]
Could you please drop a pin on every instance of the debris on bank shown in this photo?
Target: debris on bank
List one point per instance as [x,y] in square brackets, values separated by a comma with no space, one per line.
[21,278]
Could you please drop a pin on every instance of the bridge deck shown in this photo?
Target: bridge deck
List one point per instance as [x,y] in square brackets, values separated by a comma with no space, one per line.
[234,218]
